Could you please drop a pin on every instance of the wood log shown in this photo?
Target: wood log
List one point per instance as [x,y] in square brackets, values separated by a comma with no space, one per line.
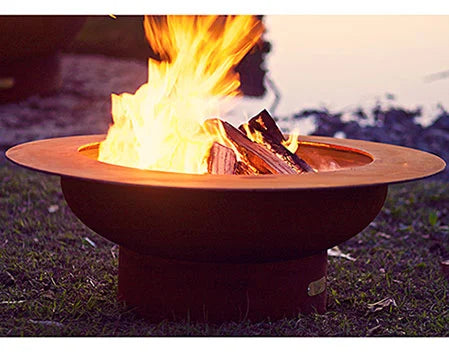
[243,168]
[272,138]
[266,125]
[221,160]
[254,154]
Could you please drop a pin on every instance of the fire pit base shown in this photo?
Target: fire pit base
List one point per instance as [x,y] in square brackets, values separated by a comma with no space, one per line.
[161,289]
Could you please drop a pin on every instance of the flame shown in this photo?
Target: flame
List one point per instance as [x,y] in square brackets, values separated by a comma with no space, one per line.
[160,127]
[290,144]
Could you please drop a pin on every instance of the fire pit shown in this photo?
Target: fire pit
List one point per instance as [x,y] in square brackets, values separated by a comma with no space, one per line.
[227,247]
[214,222]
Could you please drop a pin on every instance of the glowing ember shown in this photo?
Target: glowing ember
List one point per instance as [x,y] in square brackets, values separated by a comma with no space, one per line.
[160,127]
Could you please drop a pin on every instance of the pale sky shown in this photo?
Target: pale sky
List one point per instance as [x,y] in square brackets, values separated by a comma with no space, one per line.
[341,61]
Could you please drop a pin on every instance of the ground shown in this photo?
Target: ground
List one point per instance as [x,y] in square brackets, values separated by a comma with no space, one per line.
[58,278]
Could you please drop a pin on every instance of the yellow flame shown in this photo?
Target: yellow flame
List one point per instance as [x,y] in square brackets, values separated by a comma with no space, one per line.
[292,142]
[160,127]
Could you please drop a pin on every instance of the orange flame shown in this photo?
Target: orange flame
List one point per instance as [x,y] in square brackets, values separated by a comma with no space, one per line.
[160,127]
[290,144]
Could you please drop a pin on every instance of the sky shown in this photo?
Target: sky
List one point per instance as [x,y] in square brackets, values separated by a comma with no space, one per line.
[341,62]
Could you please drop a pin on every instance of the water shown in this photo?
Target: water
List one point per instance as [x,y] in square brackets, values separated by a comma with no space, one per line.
[346,62]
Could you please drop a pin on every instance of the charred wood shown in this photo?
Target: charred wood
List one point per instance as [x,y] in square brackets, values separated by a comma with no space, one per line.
[266,125]
[272,138]
[243,168]
[254,154]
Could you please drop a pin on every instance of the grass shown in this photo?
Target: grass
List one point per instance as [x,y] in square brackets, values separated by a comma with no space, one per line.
[58,278]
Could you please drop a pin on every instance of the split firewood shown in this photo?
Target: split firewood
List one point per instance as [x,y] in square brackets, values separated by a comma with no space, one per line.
[253,154]
[221,160]
[264,126]
[243,168]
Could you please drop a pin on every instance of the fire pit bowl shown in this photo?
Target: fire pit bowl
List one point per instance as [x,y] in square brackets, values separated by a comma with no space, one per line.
[217,248]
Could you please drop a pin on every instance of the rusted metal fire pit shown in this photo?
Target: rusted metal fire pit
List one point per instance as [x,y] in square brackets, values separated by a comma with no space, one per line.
[209,247]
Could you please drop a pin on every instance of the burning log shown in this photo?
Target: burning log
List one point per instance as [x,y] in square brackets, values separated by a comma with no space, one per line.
[253,154]
[265,124]
[221,160]
[243,168]
[265,128]
[260,144]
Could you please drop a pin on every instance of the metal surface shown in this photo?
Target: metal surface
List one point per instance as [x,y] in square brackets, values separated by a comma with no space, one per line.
[363,164]
[167,289]
[234,219]
[226,226]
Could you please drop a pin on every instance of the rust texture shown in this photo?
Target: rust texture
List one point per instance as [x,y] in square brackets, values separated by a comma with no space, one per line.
[362,163]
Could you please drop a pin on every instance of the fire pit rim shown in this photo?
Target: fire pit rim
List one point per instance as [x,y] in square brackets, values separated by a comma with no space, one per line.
[61,156]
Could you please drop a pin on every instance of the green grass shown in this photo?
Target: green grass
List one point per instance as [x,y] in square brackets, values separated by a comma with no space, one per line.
[58,278]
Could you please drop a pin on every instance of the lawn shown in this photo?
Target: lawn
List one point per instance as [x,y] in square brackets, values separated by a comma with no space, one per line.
[58,278]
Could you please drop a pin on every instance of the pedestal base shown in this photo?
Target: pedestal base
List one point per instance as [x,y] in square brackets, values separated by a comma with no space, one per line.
[161,289]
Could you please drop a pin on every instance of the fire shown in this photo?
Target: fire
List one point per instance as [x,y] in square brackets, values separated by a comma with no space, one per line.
[291,143]
[160,127]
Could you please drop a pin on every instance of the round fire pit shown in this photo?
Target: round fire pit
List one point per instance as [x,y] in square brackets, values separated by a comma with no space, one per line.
[210,247]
